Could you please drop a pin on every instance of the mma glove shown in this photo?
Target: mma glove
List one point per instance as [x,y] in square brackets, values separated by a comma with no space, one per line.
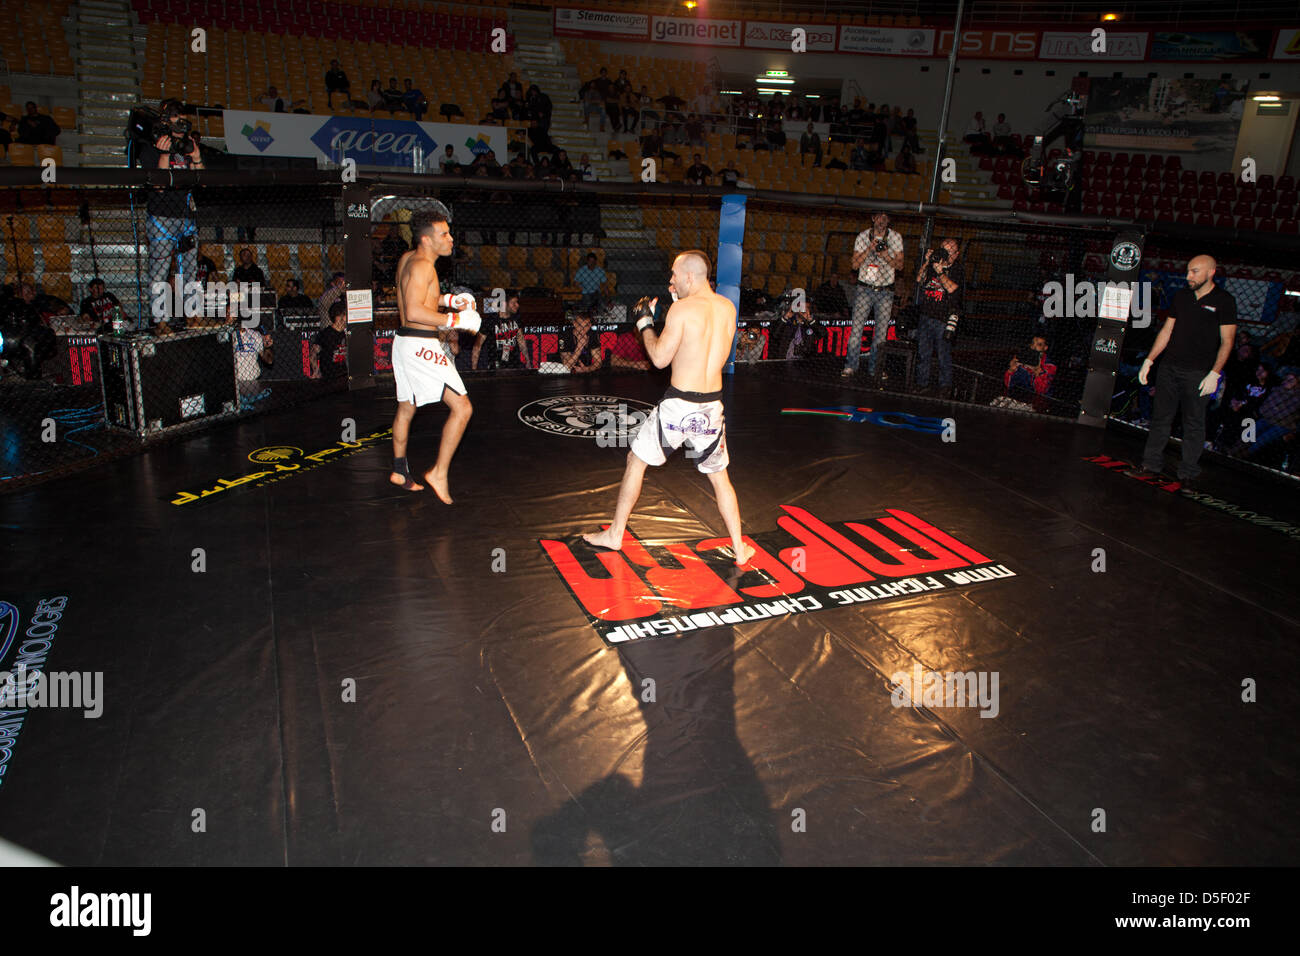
[644,312]
[458,301]
[466,320]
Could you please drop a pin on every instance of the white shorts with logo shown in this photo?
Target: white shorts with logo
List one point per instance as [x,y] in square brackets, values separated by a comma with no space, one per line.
[691,418]
[423,368]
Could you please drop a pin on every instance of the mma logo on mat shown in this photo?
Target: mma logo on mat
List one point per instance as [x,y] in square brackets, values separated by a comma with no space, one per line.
[587,416]
[807,565]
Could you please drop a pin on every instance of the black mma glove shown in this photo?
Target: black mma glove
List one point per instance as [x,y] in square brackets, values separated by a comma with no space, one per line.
[644,312]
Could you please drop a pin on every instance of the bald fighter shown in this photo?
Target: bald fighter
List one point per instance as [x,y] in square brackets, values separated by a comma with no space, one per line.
[1196,340]
[696,341]
[424,370]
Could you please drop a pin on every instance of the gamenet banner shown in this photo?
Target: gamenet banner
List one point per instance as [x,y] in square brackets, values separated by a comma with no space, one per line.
[887,41]
[696,31]
[1081,46]
[606,24]
[780,36]
[369,142]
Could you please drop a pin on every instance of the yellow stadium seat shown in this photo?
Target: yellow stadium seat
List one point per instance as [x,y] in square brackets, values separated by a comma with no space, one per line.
[517,257]
[20,154]
[782,262]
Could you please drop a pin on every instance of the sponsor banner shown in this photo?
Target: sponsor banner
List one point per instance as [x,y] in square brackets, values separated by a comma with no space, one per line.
[1238,45]
[808,565]
[1288,44]
[1174,486]
[277,462]
[991,44]
[1079,46]
[887,41]
[1201,116]
[605,24]
[780,36]
[367,141]
[360,306]
[856,413]
[27,632]
[696,31]
[602,417]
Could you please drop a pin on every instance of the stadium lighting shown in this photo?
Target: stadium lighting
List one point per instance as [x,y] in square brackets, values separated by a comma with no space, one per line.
[1266,98]
[773,79]
[1110,16]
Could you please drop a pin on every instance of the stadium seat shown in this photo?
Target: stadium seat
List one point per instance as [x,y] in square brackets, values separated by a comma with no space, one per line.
[1246,224]
[1266,225]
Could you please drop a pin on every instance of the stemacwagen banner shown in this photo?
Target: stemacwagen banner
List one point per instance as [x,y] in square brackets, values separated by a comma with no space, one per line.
[806,566]
[605,24]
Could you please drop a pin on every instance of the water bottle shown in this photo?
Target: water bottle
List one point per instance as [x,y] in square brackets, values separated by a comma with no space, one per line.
[417,158]
[119,321]
[950,330]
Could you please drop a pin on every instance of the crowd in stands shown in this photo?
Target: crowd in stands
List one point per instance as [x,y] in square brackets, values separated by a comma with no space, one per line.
[32,128]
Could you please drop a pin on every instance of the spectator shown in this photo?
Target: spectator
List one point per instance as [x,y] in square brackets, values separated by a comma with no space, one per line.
[695,131]
[750,347]
[449,164]
[911,139]
[697,174]
[414,101]
[861,158]
[512,91]
[613,94]
[562,167]
[170,226]
[645,105]
[810,142]
[629,105]
[585,169]
[336,81]
[896,124]
[252,351]
[334,292]
[294,298]
[1030,383]
[798,335]
[374,98]
[97,307]
[507,347]
[729,175]
[652,144]
[1002,141]
[1242,399]
[877,255]
[905,162]
[942,281]
[775,131]
[206,270]
[248,270]
[829,297]
[589,279]
[593,104]
[579,346]
[1279,412]
[518,166]
[500,111]
[977,134]
[37,129]
[393,101]
[878,138]
[327,348]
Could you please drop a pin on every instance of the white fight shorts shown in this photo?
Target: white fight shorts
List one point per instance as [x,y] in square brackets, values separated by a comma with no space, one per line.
[691,418]
[422,367]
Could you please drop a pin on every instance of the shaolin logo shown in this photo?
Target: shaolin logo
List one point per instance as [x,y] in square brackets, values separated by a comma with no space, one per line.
[808,565]
[259,134]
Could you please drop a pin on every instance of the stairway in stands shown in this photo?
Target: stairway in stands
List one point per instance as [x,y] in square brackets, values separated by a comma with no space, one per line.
[629,250]
[108,55]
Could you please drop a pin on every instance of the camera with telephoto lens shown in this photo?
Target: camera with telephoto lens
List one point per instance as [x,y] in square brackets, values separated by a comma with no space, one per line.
[940,255]
[882,244]
[179,130]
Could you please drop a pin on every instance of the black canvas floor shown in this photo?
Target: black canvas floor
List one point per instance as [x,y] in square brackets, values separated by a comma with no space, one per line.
[493,724]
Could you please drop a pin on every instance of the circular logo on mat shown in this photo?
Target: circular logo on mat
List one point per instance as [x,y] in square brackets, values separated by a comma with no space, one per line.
[1125,256]
[587,416]
[273,454]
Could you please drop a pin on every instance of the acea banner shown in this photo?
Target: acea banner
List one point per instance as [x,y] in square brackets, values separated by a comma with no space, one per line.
[368,141]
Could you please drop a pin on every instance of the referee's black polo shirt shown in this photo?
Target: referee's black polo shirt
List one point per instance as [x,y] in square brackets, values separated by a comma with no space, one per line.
[1194,343]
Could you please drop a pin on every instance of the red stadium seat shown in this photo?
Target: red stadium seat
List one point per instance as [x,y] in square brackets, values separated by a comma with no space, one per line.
[1188,177]
[1020,206]
[1225,179]
[1266,181]
[1205,220]
[1246,224]
[1155,161]
[1205,179]
[1185,219]
[1173,162]
[1221,207]
[1121,159]
[1266,225]
[1224,222]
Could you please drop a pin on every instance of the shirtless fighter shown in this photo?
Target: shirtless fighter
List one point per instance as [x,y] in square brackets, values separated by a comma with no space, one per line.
[424,371]
[697,341]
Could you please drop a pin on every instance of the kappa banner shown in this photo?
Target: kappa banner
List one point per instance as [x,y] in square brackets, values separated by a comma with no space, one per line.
[1288,44]
[780,36]
[806,566]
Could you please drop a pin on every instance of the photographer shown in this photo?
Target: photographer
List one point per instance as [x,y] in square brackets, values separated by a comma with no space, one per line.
[799,335]
[940,281]
[1029,375]
[170,226]
[750,347]
[877,255]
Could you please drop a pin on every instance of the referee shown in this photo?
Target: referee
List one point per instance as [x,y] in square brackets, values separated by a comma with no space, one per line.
[1198,334]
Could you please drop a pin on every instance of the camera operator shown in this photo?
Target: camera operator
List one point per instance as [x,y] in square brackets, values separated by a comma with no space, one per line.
[750,347]
[940,282]
[877,255]
[170,226]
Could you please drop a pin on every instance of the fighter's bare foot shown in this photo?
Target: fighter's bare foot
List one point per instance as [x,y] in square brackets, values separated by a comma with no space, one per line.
[746,553]
[405,483]
[604,539]
[439,485]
